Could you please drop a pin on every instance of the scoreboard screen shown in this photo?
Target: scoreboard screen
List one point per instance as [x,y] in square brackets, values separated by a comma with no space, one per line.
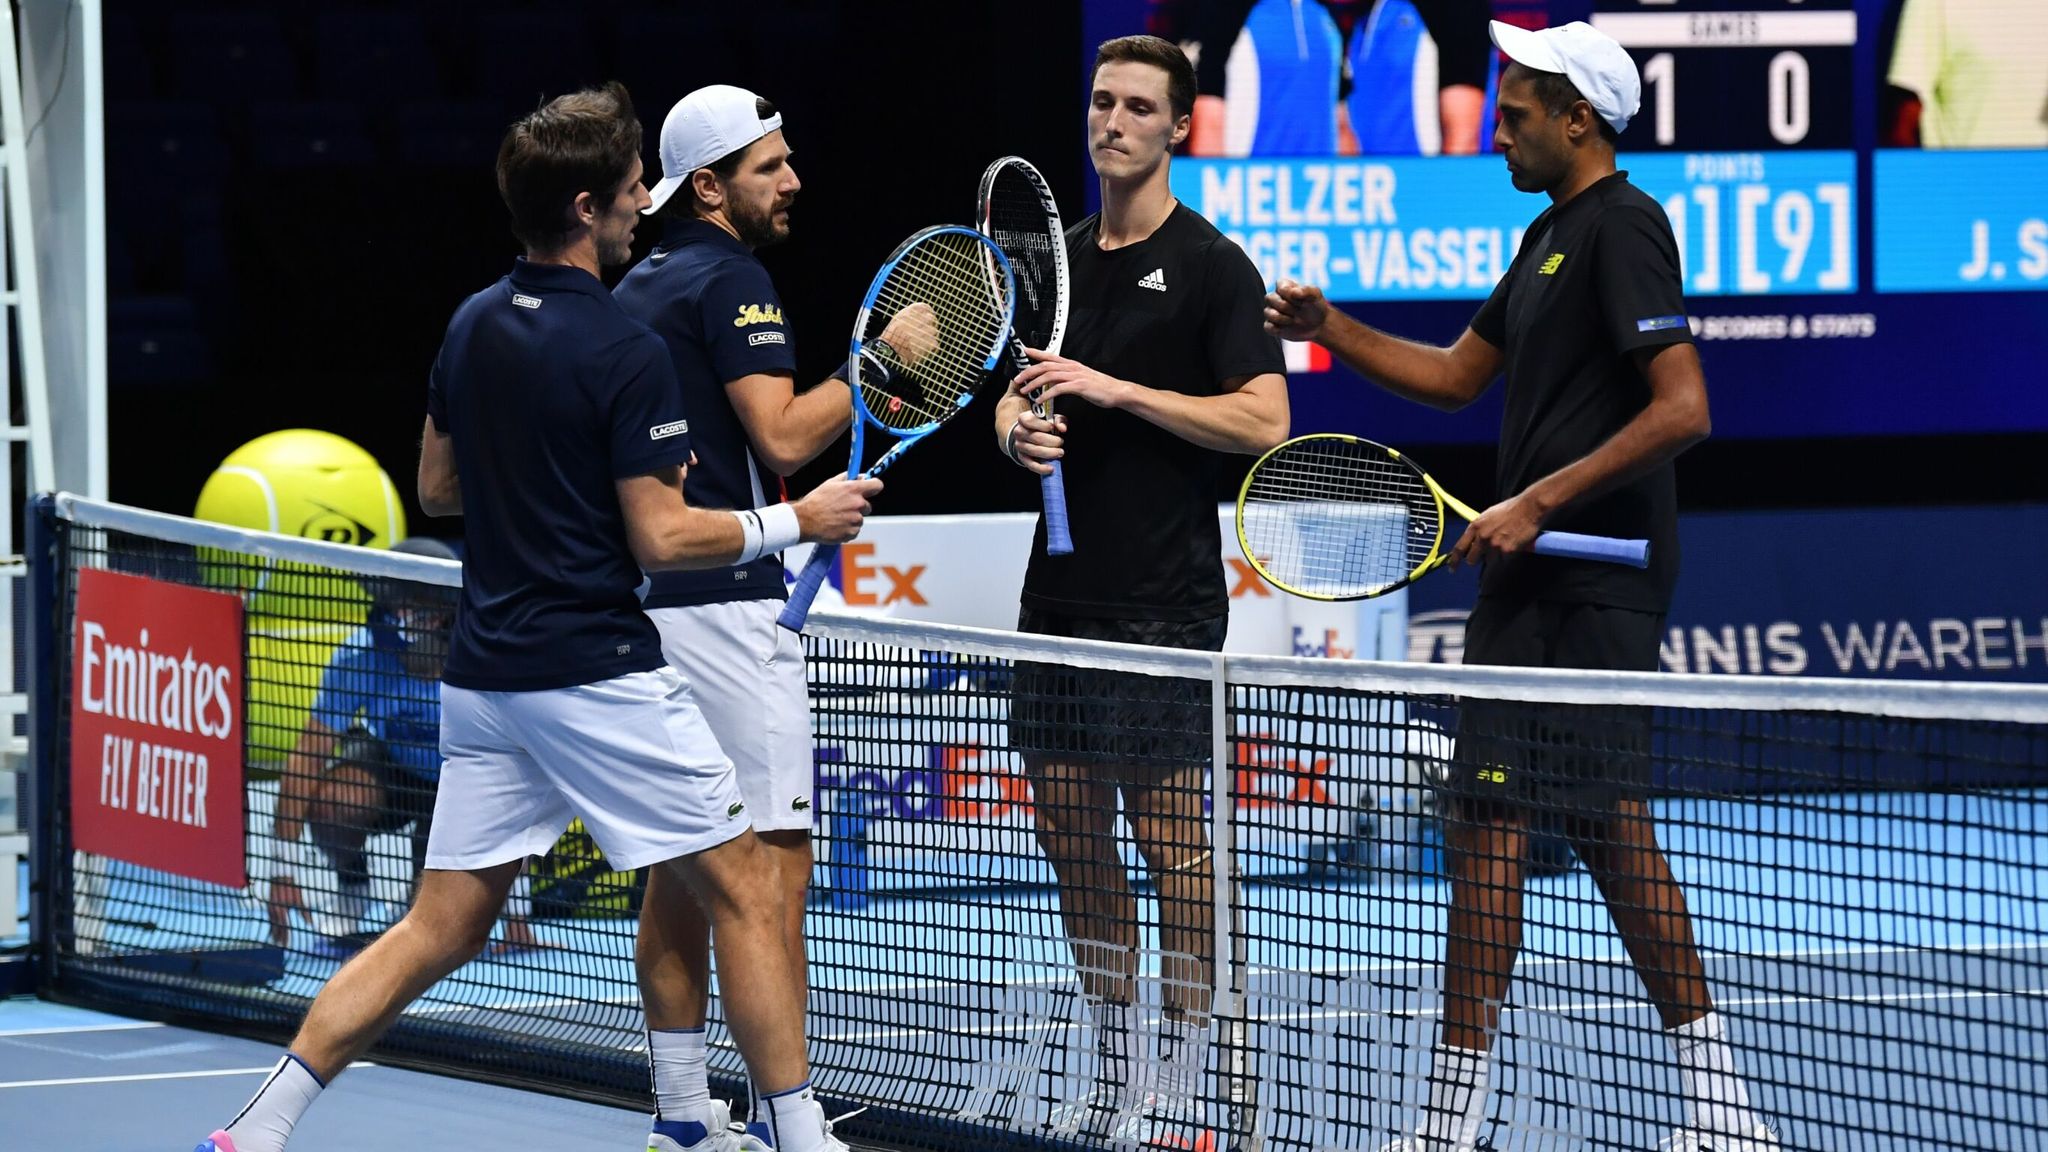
[1858,188]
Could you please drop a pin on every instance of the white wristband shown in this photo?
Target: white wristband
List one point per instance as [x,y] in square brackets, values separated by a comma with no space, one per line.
[779,528]
[768,530]
[750,535]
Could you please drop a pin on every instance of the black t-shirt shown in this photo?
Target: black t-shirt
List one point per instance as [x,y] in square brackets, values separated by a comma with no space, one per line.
[712,304]
[551,394]
[1180,311]
[1595,279]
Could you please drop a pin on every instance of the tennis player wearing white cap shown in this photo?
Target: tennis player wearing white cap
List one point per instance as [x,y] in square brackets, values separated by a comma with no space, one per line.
[1604,389]
[727,188]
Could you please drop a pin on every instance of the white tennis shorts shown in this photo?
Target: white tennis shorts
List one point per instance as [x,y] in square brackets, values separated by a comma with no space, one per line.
[631,755]
[748,675]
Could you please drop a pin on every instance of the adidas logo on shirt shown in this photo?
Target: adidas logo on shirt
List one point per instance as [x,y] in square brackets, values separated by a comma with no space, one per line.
[1155,280]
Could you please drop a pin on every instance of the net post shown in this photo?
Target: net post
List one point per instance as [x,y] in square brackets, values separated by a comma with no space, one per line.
[1228,1000]
[46,853]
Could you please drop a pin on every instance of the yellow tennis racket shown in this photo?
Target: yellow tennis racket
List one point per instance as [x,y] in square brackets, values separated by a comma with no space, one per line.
[1333,517]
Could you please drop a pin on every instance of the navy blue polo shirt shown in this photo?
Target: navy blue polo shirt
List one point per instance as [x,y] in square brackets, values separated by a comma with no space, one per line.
[552,394]
[711,302]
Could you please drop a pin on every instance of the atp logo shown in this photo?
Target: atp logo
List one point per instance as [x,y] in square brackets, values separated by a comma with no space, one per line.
[751,314]
[336,527]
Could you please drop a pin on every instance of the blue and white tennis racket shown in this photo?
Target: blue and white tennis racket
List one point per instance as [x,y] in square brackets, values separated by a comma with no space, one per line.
[947,321]
[1017,211]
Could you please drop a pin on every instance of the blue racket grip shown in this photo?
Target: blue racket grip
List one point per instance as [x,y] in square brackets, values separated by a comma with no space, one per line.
[1054,489]
[1575,546]
[808,582]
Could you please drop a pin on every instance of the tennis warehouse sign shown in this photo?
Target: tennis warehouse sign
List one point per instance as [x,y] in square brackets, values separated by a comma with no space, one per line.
[156,726]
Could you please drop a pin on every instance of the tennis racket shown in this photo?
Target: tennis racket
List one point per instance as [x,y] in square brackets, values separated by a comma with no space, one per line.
[953,287]
[1332,517]
[1017,211]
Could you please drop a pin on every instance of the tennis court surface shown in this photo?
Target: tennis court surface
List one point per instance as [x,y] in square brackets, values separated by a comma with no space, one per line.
[1864,867]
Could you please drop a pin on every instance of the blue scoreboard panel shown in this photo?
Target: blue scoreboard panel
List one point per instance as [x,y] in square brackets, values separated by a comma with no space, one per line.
[1859,189]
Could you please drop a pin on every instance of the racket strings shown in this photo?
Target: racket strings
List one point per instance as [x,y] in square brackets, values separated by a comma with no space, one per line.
[946,273]
[1018,223]
[1339,518]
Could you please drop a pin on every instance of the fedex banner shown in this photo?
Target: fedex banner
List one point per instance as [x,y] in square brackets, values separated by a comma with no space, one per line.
[970,570]
[156,726]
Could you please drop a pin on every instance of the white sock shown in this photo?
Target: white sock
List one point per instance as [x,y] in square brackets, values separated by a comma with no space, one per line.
[1112,1041]
[796,1123]
[677,1057]
[266,1121]
[1457,1098]
[1180,1056]
[1716,1098]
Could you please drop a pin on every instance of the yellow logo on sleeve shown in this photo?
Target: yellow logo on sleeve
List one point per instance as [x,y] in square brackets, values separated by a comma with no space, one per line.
[757,314]
[1550,266]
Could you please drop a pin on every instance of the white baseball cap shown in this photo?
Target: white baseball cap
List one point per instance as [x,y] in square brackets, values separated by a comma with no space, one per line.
[1596,64]
[711,123]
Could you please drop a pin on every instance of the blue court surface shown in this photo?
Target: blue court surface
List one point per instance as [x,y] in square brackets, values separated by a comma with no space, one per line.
[1882,962]
[89,1082]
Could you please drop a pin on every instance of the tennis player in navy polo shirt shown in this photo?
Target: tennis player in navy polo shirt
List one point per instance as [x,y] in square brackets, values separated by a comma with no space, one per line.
[556,429]
[726,190]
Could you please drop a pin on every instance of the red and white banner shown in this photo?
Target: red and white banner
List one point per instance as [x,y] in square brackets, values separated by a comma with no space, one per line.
[156,726]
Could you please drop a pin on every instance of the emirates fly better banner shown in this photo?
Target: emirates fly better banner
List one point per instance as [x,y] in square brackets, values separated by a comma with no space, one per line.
[156,726]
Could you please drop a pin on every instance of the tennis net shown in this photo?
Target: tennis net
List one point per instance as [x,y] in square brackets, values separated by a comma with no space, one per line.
[1862,867]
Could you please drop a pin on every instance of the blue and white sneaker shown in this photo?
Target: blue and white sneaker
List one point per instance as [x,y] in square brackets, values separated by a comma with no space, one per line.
[715,1132]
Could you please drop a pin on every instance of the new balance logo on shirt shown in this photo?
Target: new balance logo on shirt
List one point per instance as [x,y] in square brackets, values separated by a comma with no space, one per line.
[1155,280]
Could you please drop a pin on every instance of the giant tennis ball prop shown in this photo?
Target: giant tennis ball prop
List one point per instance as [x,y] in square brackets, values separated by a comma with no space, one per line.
[299,482]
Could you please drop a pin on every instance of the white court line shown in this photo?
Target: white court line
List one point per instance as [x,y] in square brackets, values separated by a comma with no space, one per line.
[126,1026]
[524,1005]
[1432,965]
[1588,1007]
[150,1076]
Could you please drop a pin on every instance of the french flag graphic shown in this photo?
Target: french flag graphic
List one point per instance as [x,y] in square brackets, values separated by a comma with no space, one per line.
[1305,356]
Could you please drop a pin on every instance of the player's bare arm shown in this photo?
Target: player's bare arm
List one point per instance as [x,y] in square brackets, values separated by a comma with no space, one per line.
[1249,414]
[666,534]
[1443,378]
[440,489]
[786,428]
[1675,419]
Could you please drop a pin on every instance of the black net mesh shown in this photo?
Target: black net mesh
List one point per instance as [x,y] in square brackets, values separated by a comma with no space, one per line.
[1038,918]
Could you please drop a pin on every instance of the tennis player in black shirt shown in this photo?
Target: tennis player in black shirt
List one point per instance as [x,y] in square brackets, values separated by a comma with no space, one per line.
[1604,390]
[1163,371]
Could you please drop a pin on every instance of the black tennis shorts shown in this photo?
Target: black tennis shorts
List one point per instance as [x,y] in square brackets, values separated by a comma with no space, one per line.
[1071,715]
[1570,755]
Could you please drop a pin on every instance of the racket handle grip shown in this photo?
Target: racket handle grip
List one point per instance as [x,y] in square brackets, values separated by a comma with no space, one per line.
[808,582]
[1609,549]
[1053,488]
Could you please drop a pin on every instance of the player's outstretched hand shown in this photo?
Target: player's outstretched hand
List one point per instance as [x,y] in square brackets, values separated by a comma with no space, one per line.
[1296,311]
[833,512]
[913,333]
